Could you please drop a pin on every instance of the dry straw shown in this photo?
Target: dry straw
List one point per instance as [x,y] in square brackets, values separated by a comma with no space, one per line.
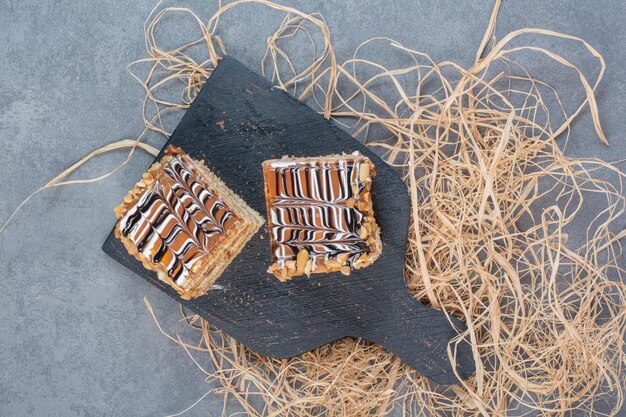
[493,195]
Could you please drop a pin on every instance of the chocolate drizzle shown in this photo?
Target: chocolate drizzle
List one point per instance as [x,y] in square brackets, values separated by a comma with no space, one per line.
[177,220]
[308,205]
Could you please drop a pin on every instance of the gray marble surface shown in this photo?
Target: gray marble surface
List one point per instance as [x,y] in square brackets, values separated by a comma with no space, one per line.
[75,336]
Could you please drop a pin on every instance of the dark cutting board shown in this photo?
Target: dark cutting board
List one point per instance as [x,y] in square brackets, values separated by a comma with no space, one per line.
[237,121]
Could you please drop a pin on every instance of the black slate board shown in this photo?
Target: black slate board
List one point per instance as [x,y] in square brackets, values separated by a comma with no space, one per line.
[237,121]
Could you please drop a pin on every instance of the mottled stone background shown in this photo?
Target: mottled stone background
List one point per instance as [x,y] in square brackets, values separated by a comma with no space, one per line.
[75,336]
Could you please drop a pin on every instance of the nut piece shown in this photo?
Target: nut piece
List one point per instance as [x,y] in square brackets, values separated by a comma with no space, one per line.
[320,267]
[307,267]
[364,172]
[154,167]
[132,250]
[345,270]
[301,259]
[343,258]
[363,232]
[333,264]
[274,269]
[128,198]
[290,265]
[362,262]
[148,178]
[365,206]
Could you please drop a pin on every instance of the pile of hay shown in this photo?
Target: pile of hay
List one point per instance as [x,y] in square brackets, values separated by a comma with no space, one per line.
[493,194]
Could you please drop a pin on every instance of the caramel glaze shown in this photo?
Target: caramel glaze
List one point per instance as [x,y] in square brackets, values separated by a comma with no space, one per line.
[177,221]
[307,204]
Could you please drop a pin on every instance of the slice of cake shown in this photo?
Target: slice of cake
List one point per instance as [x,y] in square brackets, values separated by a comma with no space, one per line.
[183,222]
[320,214]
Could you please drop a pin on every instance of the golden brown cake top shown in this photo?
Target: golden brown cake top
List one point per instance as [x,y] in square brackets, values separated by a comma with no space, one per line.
[179,219]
